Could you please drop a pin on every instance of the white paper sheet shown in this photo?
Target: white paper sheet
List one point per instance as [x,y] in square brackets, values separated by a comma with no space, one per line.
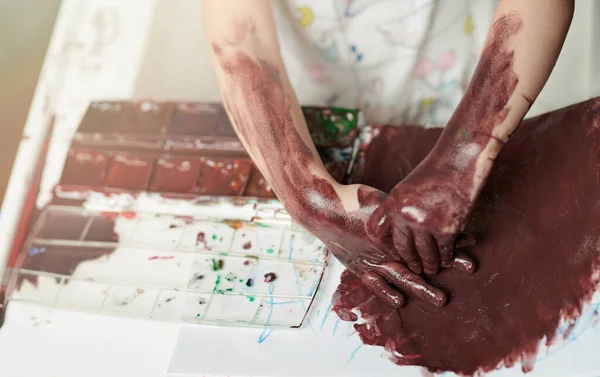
[326,346]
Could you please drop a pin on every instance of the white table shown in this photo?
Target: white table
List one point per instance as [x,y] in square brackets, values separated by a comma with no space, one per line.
[97,51]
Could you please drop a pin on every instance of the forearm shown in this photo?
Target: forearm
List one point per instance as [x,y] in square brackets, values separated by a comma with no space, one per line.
[521,49]
[258,96]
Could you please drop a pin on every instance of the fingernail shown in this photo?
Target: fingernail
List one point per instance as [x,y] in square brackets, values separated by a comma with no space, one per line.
[397,301]
[463,263]
[439,299]
[443,301]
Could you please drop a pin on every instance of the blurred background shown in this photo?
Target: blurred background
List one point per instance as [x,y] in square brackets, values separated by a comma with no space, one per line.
[25,30]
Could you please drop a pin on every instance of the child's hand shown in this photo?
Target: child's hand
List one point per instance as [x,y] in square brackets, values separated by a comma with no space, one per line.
[375,262]
[423,215]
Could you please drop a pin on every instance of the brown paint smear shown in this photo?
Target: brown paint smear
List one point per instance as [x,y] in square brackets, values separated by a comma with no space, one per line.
[256,98]
[426,211]
[537,226]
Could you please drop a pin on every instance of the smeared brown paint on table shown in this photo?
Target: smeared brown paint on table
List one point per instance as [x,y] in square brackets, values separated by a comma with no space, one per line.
[537,226]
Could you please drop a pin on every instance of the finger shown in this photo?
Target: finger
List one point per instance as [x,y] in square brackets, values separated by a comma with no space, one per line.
[379,223]
[463,262]
[400,276]
[405,246]
[464,241]
[428,252]
[382,289]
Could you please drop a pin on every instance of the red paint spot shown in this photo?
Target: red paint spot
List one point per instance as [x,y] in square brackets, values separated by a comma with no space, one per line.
[161,258]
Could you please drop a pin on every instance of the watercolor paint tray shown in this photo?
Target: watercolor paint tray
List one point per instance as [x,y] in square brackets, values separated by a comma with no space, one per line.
[128,226]
[208,266]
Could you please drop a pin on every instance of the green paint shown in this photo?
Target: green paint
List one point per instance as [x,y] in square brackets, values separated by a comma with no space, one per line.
[214,236]
[270,250]
[198,315]
[464,135]
[331,126]
[215,265]
[217,282]
[229,289]
[262,225]
[251,298]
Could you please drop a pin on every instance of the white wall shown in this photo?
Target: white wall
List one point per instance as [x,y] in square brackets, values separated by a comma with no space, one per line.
[177,63]
[572,79]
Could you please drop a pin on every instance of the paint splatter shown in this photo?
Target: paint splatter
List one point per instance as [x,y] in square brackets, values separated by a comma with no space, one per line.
[270,277]
[129,299]
[36,250]
[201,301]
[464,135]
[251,298]
[217,264]
[230,277]
[217,282]
[161,258]
[201,240]
[270,250]
[167,300]
[247,245]
[249,283]
[246,263]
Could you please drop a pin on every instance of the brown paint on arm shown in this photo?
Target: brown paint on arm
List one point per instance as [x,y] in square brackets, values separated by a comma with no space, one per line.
[261,104]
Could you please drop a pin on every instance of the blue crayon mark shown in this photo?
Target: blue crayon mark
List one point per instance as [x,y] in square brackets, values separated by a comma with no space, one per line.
[313,289]
[36,250]
[266,330]
[327,311]
[335,326]
[310,292]
[291,248]
[353,354]
[582,324]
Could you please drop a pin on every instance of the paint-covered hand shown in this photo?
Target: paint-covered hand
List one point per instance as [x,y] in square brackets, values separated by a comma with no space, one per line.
[343,229]
[424,215]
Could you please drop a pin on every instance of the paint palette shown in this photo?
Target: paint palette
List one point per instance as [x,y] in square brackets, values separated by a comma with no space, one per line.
[208,266]
[159,212]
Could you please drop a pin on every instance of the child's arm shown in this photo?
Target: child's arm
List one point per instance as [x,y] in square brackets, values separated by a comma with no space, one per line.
[266,115]
[426,211]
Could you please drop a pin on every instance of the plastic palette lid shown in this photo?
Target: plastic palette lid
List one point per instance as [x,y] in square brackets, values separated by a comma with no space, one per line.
[256,268]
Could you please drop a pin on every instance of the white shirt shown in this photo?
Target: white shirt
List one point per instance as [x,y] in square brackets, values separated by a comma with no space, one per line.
[400,61]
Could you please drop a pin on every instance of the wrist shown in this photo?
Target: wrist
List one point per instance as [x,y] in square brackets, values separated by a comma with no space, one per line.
[304,198]
[458,170]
